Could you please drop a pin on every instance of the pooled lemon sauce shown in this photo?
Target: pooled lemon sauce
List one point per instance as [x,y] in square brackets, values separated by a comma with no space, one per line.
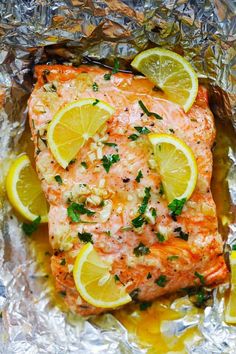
[149,327]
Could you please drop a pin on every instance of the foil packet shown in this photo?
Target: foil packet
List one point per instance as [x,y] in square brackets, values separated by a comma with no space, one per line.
[64,31]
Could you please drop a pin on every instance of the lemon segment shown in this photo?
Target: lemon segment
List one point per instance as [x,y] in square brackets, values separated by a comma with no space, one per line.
[230,311]
[24,190]
[73,125]
[170,72]
[94,281]
[176,164]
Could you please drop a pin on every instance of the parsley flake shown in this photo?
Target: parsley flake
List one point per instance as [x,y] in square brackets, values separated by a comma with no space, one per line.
[75,210]
[63,261]
[139,221]
[145,201]
[85,237]
[161,281]
[109,160]
[95,87]
[139,176]
[161,238]
[161,189]
[116,66]
[107,76]
[84,164]
[176,206]
[95,102]
[200,277]
[145,305]
[141,250]
[133,137]
[114,145]
[234,248]
[58,179]
[29,229]
[149,275]
[147,112]
[142,130]
[172,258]
[183,235]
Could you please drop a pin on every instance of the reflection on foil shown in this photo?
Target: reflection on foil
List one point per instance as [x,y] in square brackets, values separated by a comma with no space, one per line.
[39,31]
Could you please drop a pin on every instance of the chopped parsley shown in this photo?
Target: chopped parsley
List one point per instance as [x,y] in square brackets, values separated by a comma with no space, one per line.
[95,102]
[134,294]
[84,164]
[161,281]
[142,130]
[72,162]
[171,130]
[114,145]
[116,66]
[133,137]
[58,179]
[138,221]
[149,275]
[141,250]
[161,189]
[161,238]
[62,293]
[95,87]
[63,261]
[147,112]
[145,305]
[234,248]
[145,201]
[31,228]
[108,233]
[153,212]
[85,237]
[172,258]
[139,176]
[75,210]
[183,235]
[116,277]
[107,76]
[176,206]
[200,277]
[109,160]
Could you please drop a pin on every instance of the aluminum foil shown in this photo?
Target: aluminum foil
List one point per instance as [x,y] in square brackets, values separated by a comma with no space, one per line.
[40,31]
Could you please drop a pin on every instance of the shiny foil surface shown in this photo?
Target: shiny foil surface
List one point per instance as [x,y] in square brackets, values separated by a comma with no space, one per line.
[43,31]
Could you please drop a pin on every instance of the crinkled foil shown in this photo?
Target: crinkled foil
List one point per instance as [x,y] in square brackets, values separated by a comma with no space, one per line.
[40,31]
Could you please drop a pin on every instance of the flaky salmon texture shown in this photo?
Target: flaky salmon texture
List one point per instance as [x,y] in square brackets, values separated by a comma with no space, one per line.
[180,249]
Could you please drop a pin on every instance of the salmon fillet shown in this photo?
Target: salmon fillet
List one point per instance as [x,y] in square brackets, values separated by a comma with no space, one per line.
[192,244]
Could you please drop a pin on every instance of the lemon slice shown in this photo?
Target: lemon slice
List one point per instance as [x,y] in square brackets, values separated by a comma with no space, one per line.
[170,72]
[176,164]
[73,125]
[230,312]
[95,283]
[24,190]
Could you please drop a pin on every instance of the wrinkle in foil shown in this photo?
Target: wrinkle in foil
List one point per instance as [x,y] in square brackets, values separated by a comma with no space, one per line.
[40,31]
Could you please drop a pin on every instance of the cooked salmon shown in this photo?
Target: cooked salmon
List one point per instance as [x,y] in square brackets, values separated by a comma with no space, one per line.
[165,253]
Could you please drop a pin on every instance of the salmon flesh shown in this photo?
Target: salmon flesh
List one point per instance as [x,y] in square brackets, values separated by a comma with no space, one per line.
[161,255]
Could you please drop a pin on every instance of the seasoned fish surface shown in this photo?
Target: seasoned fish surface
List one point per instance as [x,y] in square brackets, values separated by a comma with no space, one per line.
[163,255]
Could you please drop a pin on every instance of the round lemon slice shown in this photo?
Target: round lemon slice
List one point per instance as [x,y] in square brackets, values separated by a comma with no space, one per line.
[24,190]
[95,283]
[230,311]
[176,164]
[73,125]
[171,73]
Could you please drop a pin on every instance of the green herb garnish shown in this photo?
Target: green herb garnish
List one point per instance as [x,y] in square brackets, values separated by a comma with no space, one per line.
[139,221]
[114,145]
[116,66]
[161,189]
[95,102]
[171,130]
[145,201]
[147,112]
[172,258]
[149,275]
[133,137]
[200,277]
[141,250]
[84,164]
[109,160]
[107,76]
[75,210]
[161,281]
[144,305]
[234,248]
[85,237]
[176,206]
[95,87]
[139,176]
[63,261]
[183,235]
[161,238]
[29,229]
[142,130]
[58,179]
